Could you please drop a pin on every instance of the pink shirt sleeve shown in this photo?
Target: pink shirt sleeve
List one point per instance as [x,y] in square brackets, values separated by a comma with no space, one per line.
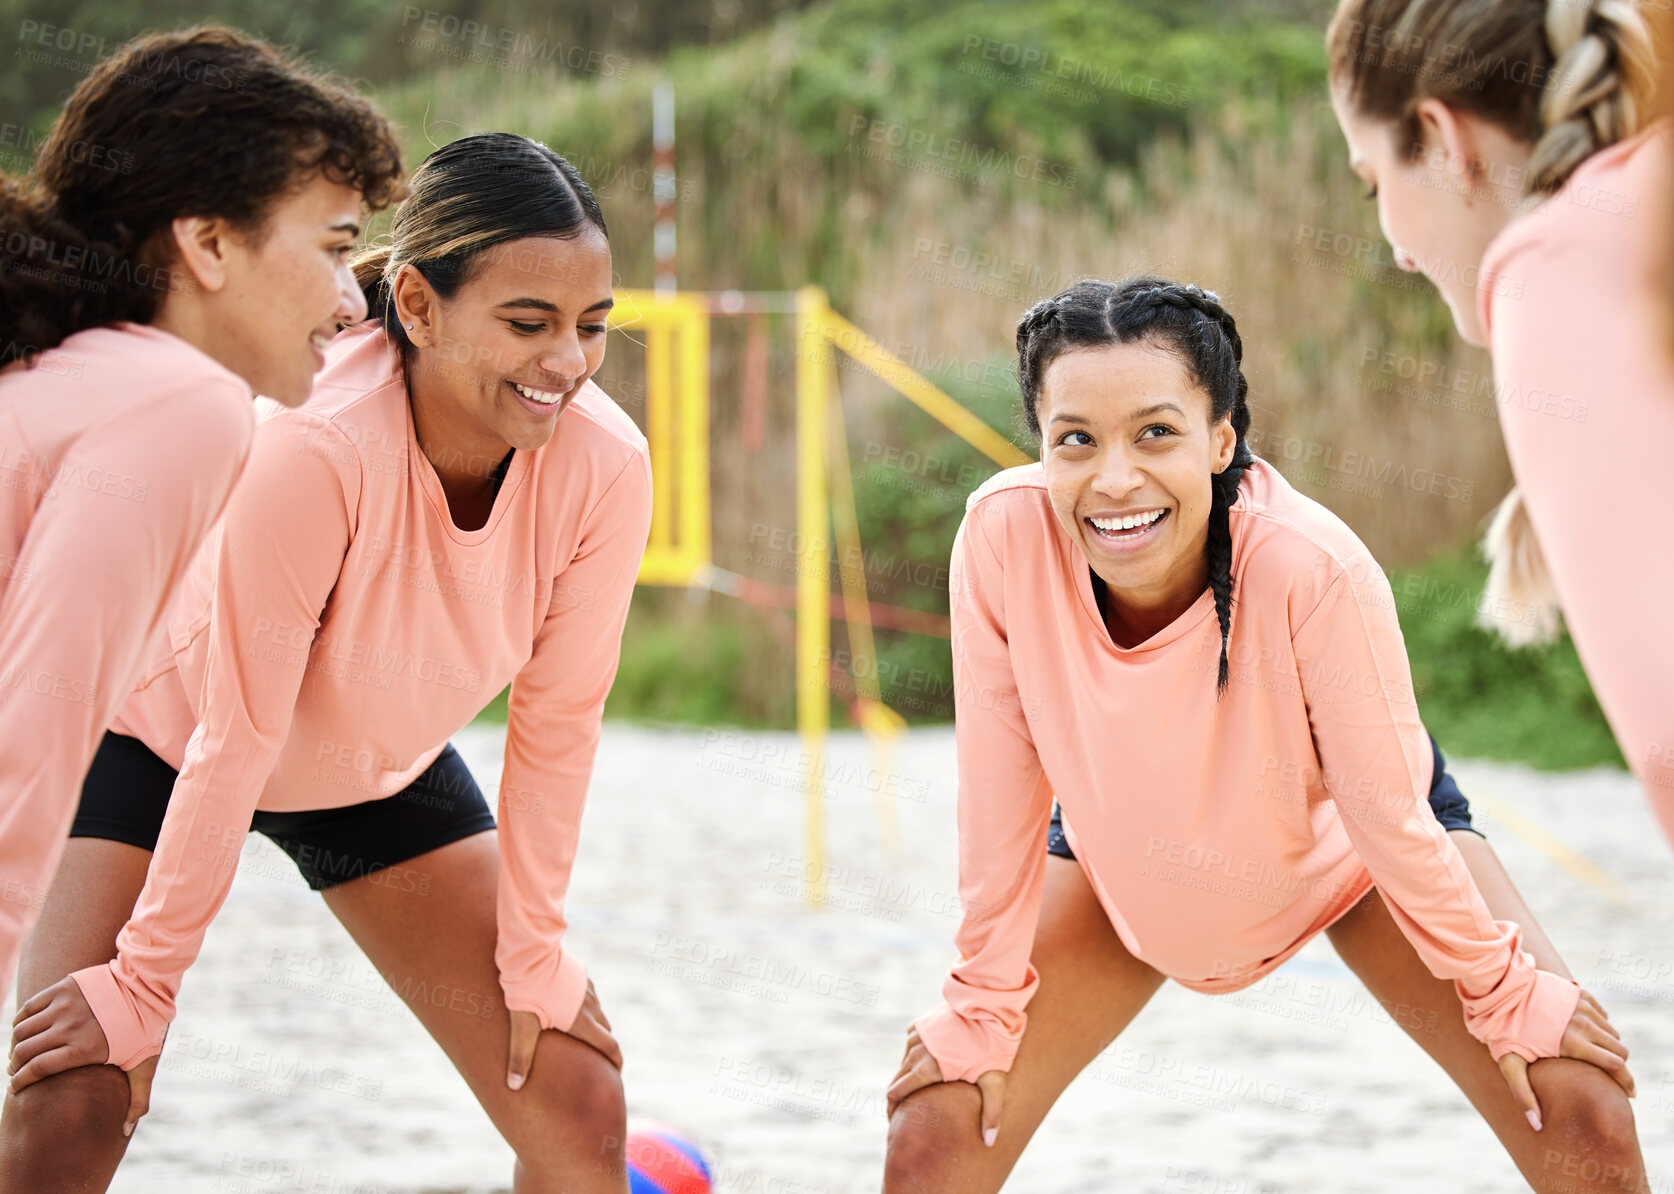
[552,734]
[278,552]
[1005,809]
[1585,370]
[98,566]
[1376,763]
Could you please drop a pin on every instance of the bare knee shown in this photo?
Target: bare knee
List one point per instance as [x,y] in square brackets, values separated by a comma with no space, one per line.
[575,1111]
[929,1135]
[79,1104]
[1589,1141]
[60,1124]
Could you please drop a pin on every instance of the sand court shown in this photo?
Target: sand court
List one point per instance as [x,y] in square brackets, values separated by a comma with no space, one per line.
[768,1030]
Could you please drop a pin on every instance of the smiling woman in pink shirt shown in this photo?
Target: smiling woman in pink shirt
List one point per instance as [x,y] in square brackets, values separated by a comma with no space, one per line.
[1203,668]
[457,508]
[182,240]
[1538,201]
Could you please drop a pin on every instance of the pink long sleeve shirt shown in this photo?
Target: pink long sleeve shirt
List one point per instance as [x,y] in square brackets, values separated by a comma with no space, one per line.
[338,628]
[1219,835]
[1575,300]
[117,451]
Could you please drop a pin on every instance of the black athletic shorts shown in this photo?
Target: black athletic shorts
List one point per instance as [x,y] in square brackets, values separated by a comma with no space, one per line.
[127,791]
[1446,801]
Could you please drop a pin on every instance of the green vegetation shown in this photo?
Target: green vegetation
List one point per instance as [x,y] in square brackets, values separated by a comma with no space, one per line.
[1483,699]
[821,142]
[1480,698]
[674,671]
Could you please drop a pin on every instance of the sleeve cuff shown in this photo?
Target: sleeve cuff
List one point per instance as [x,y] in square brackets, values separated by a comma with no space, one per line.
[128,1036]
[964,1050]
[555,1003]
[1537,1030]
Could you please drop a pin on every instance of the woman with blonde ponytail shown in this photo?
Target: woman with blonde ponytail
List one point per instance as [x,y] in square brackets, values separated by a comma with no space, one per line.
[1520,157]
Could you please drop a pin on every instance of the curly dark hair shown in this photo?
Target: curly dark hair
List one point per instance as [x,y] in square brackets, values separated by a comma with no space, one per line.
[200,122]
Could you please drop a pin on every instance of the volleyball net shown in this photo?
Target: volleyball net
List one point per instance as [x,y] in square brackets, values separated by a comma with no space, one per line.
[674,329]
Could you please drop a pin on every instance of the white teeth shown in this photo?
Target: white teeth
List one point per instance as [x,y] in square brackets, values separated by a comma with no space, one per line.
[1128,522]
[537,395]
[319,341]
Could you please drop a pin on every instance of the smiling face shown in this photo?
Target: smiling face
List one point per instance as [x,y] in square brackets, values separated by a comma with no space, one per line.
[1441,207]
[1128,447]
[498,363]
[268,302]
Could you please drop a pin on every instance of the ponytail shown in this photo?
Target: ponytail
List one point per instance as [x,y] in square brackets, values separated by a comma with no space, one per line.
[1590,79]
[1602,87]
[1518,579]
[467,197]
[46,287]
[369,267]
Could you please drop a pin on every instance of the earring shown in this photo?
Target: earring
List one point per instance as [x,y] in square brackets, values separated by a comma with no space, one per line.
[409,327]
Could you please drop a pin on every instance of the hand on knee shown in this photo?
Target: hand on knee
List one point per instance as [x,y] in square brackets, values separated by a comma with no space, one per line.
[86,1103]
[928,1135]
[572,1108]
[1589,1141]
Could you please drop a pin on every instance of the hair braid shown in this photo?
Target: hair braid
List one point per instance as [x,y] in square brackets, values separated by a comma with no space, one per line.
[1191,323]
[1604,70]
[1033,332]
[1593,79]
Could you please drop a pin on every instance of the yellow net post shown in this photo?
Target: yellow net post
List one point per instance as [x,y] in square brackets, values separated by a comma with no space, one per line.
[694,423]
[676,331]
[913,386]
[880,723]
[659,428]
[676,328]
[813,584]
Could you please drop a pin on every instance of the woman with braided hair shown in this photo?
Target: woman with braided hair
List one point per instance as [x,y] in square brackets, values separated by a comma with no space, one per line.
[1511,150]
[1204,668]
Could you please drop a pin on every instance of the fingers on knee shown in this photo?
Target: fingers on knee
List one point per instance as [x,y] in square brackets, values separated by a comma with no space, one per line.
[67,1109]
[1592,1138]
[926,1141]
[581,1096]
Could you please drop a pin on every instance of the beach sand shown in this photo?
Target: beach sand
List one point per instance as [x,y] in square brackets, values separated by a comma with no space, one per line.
[767,1029]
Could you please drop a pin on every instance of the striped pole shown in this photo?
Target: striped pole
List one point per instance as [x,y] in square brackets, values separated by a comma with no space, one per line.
[662,183]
